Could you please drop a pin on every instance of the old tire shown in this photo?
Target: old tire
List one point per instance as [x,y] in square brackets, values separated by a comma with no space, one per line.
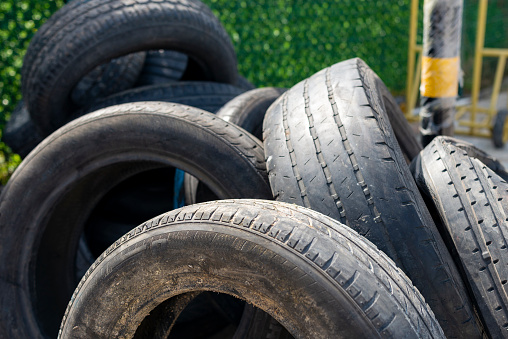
[62,53]
[61,182]
[330,147]
[319,281]
[471,202]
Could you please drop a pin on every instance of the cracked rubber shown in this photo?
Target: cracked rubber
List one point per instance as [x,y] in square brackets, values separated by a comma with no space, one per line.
[312,274]
[330,147]
[65,48]
[53,192]
[471,200]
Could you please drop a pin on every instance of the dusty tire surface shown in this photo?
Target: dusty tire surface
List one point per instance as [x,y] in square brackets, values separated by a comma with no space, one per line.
[65,177]
[58,56]
[330,147]
[319,281]
[471,201]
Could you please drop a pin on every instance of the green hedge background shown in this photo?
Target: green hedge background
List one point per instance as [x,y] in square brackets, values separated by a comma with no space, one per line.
[278,42]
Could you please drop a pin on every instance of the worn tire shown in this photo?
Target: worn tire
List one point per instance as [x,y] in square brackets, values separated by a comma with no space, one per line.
[63,52]
[312,274]
[330,147]
[56,188]
[472,209]
[107,79]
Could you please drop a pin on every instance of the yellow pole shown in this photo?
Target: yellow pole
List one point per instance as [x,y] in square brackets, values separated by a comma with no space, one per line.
[477,67]
[413,26]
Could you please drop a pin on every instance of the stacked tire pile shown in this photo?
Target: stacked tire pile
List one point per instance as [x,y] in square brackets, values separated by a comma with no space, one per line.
[318,231]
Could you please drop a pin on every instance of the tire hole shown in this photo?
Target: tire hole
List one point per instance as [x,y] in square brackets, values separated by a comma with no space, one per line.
[476,249]
[490,289]
[496,261]
[488,243]
[503,282]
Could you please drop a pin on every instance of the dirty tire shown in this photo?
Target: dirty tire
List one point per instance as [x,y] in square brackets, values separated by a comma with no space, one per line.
[20,133]
[248,110]
[473,211]
[499,135]
[58,58]
[330,147]
[65,177]
[162,66]
[323,281]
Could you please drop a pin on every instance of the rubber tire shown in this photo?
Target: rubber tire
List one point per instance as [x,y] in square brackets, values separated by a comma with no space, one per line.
[107,79]
[208,96]
[470,205]
[20,133]
[499,127]
[66,49]
[65,176]
[330,147]
[162,66]
[248,110]
[312,274]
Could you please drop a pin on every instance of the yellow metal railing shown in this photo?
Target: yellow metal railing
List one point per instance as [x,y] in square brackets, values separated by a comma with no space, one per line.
[477,121]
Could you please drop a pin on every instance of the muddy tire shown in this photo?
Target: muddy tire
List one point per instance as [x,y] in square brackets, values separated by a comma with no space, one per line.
[65,178]
[319,281]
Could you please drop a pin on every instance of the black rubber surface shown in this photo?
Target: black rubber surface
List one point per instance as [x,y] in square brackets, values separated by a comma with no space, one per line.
[248,110]
[115,76]
[65,48]
[498,129]
[162,66]
[330,147]
[471,201]
[48,201]
[20,133]
[209,96]
[315,276]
